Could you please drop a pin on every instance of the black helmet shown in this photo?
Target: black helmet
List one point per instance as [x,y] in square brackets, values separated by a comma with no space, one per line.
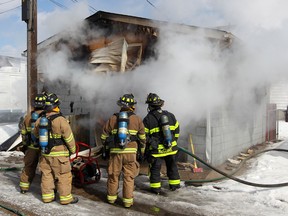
[127,100]
[52,101]
[154,100]
[39,101]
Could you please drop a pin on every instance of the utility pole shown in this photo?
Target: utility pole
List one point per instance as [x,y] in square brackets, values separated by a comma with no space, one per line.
[29,15]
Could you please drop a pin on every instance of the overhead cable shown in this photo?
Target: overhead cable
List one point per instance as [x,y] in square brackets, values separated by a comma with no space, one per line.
[151,4]
[6,2]
[58,4]
[92,9]
[10,9]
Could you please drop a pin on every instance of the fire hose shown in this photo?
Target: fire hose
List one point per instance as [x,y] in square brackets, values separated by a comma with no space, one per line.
[11,210]
[4,206]
[231,176]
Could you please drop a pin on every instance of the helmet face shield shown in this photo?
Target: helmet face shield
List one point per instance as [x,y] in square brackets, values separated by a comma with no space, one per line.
[127,100]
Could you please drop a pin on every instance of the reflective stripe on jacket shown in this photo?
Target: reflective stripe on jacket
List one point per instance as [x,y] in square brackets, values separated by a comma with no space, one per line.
[153,129]
[60,129]
[26,130]
[135,128]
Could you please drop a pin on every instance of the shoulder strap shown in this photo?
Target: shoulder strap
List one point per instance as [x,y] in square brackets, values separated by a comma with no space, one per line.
[43,113]
[157,116]
[129,114]
[52,117]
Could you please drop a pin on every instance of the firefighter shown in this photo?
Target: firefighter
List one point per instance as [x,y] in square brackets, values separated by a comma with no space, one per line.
[121,135]
[54,161]
[30,144]
[162,131]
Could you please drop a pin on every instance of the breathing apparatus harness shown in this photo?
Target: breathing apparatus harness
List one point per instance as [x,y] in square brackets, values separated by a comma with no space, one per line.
[163,122]
[122,136]
[34,117]
[30,139]
[46,139]
[123,132]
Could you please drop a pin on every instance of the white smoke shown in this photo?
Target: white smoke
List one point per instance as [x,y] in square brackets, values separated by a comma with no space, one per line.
[189,76]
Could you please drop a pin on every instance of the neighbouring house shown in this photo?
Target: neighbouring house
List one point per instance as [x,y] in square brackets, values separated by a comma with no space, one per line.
[279,96]
[13,88]
[122,43]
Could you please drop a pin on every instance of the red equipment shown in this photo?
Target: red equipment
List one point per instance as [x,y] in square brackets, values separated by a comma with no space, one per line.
[85,169]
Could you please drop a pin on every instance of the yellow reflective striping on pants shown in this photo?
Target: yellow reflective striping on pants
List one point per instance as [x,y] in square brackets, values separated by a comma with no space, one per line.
[48,197]
[155,185]
[66,199]
[24,185]
[174,182]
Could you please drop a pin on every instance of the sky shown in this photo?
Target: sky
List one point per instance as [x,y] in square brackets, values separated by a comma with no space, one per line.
[192,78]
[13,36]
[222,198]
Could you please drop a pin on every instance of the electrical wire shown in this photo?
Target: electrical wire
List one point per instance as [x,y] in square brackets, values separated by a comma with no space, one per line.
[151,4]
[10,9]
[58,4]
[6,2]
[92,9]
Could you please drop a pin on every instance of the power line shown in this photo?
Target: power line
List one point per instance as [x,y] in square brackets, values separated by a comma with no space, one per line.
[6,2]
[92,9]
[10,9]
[151,4]
[58,4]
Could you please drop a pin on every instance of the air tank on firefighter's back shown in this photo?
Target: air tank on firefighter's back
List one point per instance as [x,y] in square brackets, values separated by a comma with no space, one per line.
[166,130]
[34,117]
[122,127]
[43,133]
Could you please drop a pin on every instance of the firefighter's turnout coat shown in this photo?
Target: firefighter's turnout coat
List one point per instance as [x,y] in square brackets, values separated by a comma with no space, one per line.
[55,164]
[32,153]
[157,149]
[123,159]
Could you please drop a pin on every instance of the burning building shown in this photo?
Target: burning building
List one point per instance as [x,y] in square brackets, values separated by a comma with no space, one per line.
[109,46]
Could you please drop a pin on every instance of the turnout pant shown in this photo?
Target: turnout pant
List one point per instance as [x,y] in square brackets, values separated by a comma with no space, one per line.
[56,170]
[172,172]
[31,159]
[122,163]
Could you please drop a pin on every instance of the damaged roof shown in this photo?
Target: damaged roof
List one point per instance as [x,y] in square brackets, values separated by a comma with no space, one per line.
[104,19]
[210,33]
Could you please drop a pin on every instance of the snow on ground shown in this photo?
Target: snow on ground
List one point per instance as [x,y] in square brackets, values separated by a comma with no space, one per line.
[223,198]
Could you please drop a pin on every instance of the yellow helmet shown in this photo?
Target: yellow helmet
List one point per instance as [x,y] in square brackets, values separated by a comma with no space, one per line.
[39,101]
[154,100]
[52,101]
[127,100]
